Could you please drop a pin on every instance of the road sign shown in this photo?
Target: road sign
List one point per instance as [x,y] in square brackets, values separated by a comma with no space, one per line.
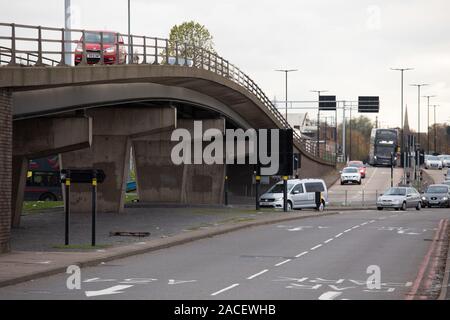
[369,104]
[327,103]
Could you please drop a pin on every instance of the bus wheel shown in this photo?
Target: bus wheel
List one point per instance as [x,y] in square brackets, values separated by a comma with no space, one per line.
[47,197]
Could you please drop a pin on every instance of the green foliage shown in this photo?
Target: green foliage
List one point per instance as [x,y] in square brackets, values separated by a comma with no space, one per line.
[190,40]
[191,33]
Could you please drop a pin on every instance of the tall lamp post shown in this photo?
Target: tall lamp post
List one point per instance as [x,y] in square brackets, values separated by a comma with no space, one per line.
[428,122]
[402,70]
[67,35]
[130,54]
[434,107]
[318,120]
[286,71]
[418,85]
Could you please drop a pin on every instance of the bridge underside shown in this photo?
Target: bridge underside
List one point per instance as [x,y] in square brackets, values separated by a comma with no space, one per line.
[108,117]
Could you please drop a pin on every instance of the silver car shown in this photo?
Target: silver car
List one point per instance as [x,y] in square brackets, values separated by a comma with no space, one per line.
[433,162]
[445,160]
[400,198]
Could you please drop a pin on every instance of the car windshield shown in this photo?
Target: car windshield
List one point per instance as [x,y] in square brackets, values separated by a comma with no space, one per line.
[350,170]
[396,192]
[355,164]
[437,189]
[95,37]
[278,188]
[433,158]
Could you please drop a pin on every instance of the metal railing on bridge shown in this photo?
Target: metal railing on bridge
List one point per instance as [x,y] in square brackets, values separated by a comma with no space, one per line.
[27,45]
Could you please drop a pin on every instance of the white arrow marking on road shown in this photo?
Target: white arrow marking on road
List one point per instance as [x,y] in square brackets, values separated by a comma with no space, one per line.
[330,295]
[340,289]
[172,281]
[113,290]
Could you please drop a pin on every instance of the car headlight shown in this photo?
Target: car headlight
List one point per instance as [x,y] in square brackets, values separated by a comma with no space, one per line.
[278,199]
[110,50]
[424,198]
[445,198]
[375,157]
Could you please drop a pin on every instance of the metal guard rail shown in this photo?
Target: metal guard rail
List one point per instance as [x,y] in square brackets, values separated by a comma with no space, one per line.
[151,50]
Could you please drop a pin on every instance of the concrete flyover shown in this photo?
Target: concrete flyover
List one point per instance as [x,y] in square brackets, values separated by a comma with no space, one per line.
[127,104]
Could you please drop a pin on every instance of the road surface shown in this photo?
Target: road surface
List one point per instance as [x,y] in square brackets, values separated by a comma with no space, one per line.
[377,180]
[329,257]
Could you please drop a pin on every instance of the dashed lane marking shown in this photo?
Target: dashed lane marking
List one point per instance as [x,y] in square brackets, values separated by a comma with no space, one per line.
[329,240]
[225,289]
[257,274]
[283,262]
[301,254]
[316,247]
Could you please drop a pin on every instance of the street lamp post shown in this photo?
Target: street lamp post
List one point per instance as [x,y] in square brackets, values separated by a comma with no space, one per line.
[402,70]
[286,71]
[418,85]
[434,107]
[130,54]
[428,122]
[318,120]
[67,35]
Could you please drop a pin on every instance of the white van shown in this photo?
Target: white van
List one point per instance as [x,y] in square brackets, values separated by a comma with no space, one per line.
[301,194]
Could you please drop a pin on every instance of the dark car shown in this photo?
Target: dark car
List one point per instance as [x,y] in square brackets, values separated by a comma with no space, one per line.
[437,195]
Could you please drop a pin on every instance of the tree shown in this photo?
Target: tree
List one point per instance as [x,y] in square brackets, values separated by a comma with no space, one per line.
[189,39]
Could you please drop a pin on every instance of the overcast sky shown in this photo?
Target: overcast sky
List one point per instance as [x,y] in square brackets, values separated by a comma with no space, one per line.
[346,47]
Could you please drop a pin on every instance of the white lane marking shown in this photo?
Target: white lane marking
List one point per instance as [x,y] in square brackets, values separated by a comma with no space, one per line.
[371,221]
[283,262]
[316,247]
[112,290]
[44,262]
[363,224]
[329,240]
[348,230]
[174,282]
[355,227]
[257,274]
[301,254]
[330,295]
[225,289]
[338,235]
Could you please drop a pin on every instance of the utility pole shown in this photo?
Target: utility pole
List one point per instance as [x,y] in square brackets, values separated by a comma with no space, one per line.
[286,71]
[418,85]
[318,119]
[435,145]
[402,152]
[67,34]
[428,122]
[130,54]
[343,132]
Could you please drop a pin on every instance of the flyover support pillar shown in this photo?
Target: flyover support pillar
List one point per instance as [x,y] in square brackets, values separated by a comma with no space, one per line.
[113,131]
[160,180]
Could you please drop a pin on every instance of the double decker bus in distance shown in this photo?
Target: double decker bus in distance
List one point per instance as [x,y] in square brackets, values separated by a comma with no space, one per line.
[383,143]
[43,181]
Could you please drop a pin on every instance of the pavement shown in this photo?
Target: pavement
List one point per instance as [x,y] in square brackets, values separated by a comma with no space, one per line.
[321,257]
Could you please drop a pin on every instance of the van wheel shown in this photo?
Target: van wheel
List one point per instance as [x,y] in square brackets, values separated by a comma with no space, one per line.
[47,197]
[289,205]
